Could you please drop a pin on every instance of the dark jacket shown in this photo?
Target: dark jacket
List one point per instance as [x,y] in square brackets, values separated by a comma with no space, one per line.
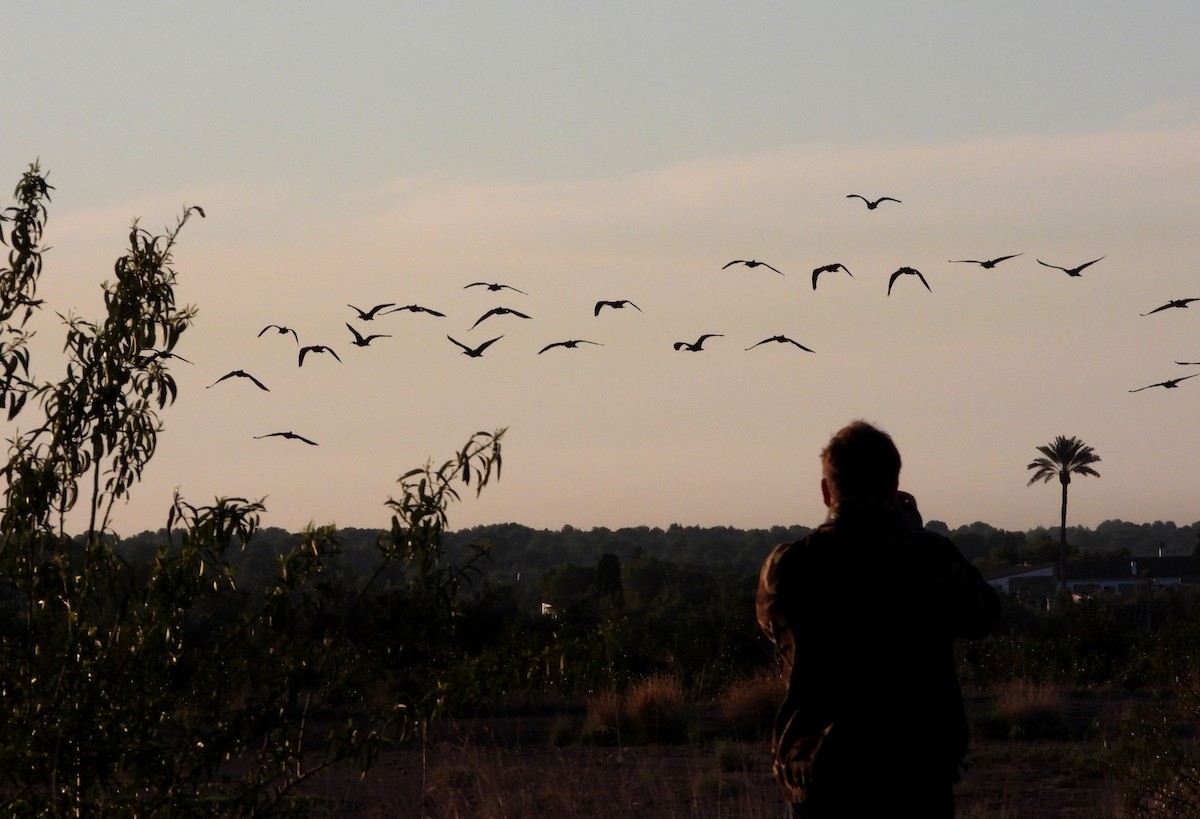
[864,613]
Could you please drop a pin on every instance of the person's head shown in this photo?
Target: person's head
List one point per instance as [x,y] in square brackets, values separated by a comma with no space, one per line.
[860,462]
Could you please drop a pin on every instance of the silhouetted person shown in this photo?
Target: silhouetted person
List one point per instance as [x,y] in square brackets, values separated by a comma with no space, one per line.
[864,612]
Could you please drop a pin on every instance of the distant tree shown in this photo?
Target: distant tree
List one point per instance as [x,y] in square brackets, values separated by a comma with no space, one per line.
[1060,459]
[608,579]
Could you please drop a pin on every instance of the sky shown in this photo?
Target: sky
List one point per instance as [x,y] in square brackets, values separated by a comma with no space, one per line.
[362,153]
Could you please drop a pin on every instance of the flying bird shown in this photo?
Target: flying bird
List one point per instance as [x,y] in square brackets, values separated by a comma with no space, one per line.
[416,308]
[781,340]
[909,271]
[616,305]
[360,341]
[872,204]
[475,352]
[1170,383]
[239,374]
[752,263]
[317,348]
[155,355]
[571,343]
[279,329]
[1073,271]
[288,434]
[368,315]
[498,311]
[698,344]
[829,268]
[986,264]
[1172,303]
[494,286]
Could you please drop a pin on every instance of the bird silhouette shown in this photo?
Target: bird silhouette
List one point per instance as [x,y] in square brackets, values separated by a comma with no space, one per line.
[697,345]
[289,434]
[829,268]
[1172,303]
[752,263]
[781,340]
[369,315]
[1170,383]
[317,348]
[155,355]
[616,305]
[238,374]
[498,311]
[986,264]
[1072,271]
[572,343]
[907,271]
[872,203]
[279,329]
[416,308]
[475,352]
[494,286]
[360,341]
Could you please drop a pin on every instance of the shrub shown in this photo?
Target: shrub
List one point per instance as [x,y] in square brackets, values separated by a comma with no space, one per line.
[749,705]
[1026,710]
[658,710]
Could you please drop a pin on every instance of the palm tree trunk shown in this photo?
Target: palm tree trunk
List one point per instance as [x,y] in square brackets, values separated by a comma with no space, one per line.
[1062,537]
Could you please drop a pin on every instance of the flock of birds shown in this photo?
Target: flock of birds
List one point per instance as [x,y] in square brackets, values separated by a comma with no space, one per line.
[361,339]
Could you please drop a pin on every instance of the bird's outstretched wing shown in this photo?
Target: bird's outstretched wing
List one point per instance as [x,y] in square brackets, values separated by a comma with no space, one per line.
[616,305]
[495,286]
[1088,264]
[416,308]
[1170,304]
[289,435]
[155,355]
[317,348]
[892,280]
[239,374]
[574,342]
[362,341]
[829,268]
[475,352]
[1170,383]
[1070,271]
[781,340]
[368,315]
[279,328]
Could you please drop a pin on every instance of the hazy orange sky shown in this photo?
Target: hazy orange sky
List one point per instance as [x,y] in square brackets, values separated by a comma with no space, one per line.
[371,152]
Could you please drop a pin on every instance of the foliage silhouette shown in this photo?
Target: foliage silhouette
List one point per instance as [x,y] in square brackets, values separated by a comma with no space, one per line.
[168,686]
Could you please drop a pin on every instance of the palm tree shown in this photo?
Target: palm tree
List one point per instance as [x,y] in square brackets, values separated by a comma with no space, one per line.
[1063,457]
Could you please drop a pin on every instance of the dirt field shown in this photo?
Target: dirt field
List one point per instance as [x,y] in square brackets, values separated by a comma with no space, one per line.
[460,780]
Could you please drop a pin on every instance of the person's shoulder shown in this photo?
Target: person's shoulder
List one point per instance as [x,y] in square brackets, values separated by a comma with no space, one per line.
[795,557]
[935,540]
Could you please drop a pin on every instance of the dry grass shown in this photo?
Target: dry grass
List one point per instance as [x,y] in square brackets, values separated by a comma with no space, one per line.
[748,706]
[604,721]
[1021,709]
[658,710]
[654,710]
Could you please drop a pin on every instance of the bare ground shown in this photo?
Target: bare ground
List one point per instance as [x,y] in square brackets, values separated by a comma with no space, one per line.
[459,779]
